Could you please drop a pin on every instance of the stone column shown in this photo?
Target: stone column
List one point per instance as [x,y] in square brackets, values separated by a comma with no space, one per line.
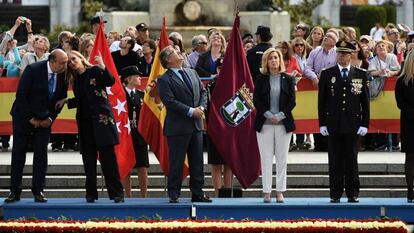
[405,13]
[328,9]
[64,12]
[279,23]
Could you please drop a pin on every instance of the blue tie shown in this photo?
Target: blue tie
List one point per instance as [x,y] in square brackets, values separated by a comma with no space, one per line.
[344,73]
[51,84]
[186,80]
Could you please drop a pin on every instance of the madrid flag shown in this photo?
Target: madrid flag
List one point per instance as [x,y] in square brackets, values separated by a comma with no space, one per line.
[231,116]
[124,150]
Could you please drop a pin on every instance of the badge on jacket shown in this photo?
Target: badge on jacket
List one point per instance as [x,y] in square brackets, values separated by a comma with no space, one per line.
[356,86]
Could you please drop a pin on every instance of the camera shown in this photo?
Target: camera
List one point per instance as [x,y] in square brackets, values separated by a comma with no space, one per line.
[23,19]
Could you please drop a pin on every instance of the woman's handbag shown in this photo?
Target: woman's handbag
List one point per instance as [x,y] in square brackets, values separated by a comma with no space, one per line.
[376,86]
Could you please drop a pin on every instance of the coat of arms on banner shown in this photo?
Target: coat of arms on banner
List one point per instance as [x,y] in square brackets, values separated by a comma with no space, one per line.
[238,108]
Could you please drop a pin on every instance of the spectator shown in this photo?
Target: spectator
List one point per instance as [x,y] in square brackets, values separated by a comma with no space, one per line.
[72,43]
[86,47]
[254,55]
[62,38]
[316,37]
[126,56]
[274,99]
[358,56]
[377,32]
[248,44]
[206,64]
[41,46]
[142,33]
[384,65]
[350,33]
[130,31]
[320,58]
[301,30]
[113,36]
[95,22]
[291,64]
[298,45]
[145,62]
[199,44]
[177,40]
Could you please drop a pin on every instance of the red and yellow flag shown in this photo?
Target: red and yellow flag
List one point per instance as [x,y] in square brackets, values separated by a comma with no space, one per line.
[152,116]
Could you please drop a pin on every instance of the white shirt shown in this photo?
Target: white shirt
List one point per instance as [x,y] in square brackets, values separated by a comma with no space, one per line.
[346,67]
[377,33]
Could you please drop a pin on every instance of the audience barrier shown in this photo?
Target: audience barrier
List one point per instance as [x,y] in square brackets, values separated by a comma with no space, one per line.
[385,116]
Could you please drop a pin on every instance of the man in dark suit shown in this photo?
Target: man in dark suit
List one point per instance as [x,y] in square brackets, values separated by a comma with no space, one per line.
[33,113]
[130,77]
[185,99]
[343,107]
[254,55]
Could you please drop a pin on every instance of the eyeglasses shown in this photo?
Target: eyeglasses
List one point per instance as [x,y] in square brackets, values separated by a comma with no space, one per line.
[299,45]
[203,42]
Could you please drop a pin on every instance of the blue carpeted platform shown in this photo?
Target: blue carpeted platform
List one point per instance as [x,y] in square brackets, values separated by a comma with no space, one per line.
[223,208]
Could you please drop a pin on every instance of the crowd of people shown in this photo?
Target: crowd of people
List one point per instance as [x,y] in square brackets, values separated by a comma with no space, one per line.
[275,69]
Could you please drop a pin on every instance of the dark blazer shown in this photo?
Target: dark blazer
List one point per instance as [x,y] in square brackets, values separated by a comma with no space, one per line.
[203,65]
[254,58]
[340,108]
[178,99]
[287,100]
[404,96]
[134,105]
[99,108]
[32,94]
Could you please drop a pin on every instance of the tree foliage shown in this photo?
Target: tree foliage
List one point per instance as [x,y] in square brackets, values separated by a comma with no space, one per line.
[301,13]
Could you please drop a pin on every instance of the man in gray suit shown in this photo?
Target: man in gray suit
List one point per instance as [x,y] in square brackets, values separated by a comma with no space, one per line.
[185,99]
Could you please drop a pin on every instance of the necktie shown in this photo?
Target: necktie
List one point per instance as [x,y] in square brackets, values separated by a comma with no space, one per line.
[344,73]
[186,80]
[51,84]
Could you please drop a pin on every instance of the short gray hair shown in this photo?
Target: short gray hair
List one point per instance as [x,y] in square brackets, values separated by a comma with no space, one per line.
[197,40]
[164,56]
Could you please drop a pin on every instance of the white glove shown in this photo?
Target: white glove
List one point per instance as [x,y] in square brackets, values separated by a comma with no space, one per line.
[362,131]
[324,131]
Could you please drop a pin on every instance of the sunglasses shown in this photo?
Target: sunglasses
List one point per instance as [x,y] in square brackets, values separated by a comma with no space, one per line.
[299,45]
[203,42]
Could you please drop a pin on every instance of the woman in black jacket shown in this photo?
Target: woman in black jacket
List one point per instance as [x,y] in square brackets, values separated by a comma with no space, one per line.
[404,94]
[274,99]
[96,123]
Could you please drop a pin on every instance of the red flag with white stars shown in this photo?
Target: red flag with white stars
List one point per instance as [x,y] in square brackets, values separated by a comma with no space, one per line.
[124,150]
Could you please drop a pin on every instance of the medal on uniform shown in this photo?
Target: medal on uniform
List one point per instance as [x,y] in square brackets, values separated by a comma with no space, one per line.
[332,91]
[333,80]
[356,86]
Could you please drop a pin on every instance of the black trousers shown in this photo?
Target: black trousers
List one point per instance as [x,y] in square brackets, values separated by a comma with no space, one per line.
[23,133]
[107,159]
[343,165]
[192,144]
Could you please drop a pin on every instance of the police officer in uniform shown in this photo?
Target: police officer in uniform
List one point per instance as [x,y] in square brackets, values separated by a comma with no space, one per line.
[130,77]
[343,108]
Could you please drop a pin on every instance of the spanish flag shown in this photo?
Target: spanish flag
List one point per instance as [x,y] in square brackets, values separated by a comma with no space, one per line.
[152,116]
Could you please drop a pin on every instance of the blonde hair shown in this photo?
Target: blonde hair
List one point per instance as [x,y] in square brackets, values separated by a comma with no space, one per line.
[264,69]
[299,40]
[223,41]
[70,73]
[407,73]
[309,40]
